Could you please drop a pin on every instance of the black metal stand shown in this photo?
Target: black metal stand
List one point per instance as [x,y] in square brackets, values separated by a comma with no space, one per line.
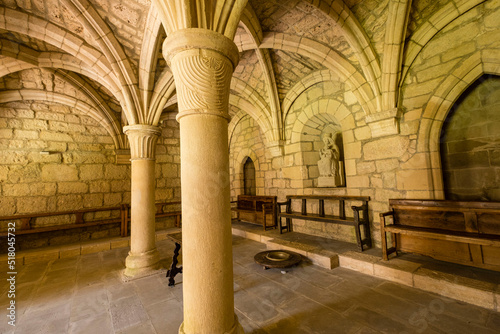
[174,270]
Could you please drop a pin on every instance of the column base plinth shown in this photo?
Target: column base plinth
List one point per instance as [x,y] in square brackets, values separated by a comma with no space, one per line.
[236,329]
[142,264]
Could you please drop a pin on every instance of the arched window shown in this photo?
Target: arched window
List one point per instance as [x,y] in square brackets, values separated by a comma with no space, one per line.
[249,177]
[470,143]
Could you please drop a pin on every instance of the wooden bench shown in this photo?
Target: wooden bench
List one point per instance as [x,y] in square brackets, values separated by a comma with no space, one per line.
[356,221]
[83,218]
[455,231]
[256,209]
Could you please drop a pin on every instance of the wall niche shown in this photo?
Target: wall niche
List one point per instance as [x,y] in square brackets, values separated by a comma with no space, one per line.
[470,143]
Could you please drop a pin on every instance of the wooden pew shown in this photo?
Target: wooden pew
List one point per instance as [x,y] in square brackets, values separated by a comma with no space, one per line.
[256,209]
[83,218]
[455,231]
[356,221]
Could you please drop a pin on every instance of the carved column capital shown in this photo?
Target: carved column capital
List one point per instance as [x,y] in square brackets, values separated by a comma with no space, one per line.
[143,139]
[202,62]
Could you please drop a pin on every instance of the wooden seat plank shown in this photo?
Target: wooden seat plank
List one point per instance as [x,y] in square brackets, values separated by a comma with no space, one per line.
[356,221]
[319,218]
[478,239]
[80,220]
[424,223]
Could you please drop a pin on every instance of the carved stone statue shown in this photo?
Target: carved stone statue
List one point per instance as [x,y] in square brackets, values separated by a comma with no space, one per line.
[329,157]
[328,165]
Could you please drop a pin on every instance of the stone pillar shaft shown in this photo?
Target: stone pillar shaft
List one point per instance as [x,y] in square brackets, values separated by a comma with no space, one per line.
[143,255]
[202,62]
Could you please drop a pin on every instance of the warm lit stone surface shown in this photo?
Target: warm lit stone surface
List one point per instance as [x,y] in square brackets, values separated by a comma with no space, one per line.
[471,285]
[385,74]
[74,172]
[307,299]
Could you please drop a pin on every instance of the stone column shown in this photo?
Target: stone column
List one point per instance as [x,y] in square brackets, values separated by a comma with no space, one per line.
[202,62]
[143,256]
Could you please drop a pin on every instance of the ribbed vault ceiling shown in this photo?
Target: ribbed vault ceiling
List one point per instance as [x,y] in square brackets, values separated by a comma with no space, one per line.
[113,48]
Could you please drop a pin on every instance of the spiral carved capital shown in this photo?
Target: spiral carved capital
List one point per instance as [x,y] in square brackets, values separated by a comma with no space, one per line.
[143,139]
[202,63]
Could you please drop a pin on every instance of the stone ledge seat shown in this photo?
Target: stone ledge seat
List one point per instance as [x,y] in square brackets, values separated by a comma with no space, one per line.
[467,284]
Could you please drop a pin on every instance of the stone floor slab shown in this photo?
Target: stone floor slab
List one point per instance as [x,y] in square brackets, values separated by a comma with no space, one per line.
[306,299]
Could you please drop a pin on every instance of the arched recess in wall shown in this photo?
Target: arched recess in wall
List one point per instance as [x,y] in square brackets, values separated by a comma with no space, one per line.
[239,171]
[249,184]
[470,143]
[320,118]
[440,104]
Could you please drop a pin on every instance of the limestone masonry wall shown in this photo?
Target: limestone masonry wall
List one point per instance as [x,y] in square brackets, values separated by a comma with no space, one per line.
[52,159]
[403,165]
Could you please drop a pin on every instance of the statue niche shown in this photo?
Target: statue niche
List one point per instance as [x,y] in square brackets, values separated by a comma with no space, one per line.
[329,164]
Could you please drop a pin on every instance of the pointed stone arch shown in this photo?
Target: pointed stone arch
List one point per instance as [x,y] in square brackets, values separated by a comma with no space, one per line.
[440,104]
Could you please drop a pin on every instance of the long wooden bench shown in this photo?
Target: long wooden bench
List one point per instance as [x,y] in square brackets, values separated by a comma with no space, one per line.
[256,209]
[455,231]
[80,220]
[359,219]
[26,224]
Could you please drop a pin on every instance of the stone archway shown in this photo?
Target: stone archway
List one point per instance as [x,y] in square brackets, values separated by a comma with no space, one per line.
[439,106]
[469,148]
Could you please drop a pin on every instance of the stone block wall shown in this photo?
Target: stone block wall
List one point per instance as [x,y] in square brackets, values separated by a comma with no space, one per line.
[402,165]
[247,141]
[323,108]
[53,159]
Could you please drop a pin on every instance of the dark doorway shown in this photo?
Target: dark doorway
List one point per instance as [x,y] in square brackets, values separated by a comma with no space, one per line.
[249,178]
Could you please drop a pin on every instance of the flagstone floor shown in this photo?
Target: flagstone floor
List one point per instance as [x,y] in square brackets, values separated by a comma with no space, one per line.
[85,294]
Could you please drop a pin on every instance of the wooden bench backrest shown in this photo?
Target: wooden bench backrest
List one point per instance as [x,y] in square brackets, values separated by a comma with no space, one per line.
[330,197]
[482,217]
[254,202]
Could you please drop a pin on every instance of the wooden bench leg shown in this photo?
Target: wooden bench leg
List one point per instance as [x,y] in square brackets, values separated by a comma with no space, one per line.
[357,227]
[368,238]
[385,250]
[287,224]
[384,244]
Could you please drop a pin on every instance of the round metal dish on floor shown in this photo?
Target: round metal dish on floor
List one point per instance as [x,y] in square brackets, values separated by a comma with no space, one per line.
[277,259]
